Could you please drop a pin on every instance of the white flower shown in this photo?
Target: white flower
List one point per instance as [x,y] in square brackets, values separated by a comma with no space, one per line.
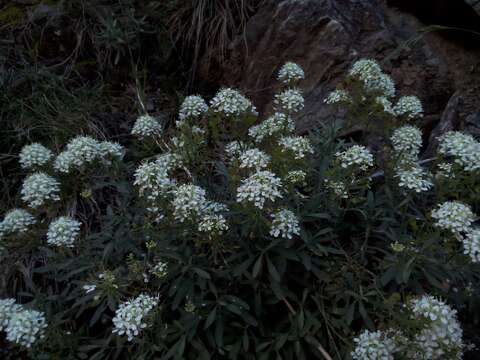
[374,345]
[34,155]
[290,100]
[258,188]
[298,145]
[471,245]
[213,224]
[410,106]
[152,178]
[25,327]
[193,106]
[373,78]
[442,334]
[80,150]
[453,216]
[290,72]
[89,288]
[445,170]
[39,188]
[356,155]
[254,159]
[146,126]
[337,187]
[8,307]
[188,201]
[16,221]
[160,270]
[285,224]
[407,141]
[278,123]
[295,176]
[63,231]
[386,104]
[231,103]
[235,148]
[463,148]
[109,149]
[413,178]
[129,317]
[337,96]
[365,68]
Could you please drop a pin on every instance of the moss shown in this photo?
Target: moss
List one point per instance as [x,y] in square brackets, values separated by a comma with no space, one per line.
[12,15]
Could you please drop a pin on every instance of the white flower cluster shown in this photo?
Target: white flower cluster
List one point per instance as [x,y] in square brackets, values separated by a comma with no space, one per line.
[63,231]
[290,100]
[23,326]
[39,188]
[152,178]
[337,96]
[374,345]
[445,170]
[284,224]
[453,216]
[275,124]
[254,159]
[83,150]
[160,270]
[211,219]
[188,201]
[407,141]
[463,148]
[34,155]
[298,145]
[442,336]
[413,178]
[409,106]
[129,317]
[385,104]
[258,188]
[338,188]
[146,126]
[290,72]
[193,106]
[230,102]
[295,177]
[471,245]
[373,78]
[16,221]
[235,148]
[356,155]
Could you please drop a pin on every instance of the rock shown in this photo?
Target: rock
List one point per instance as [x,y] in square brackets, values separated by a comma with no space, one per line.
[326,36]
[475,4]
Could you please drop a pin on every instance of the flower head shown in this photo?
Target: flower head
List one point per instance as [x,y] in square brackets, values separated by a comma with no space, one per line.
[453,216]
[463,148]
[337,96]
[231,103]
[152,177]
[285,224]
[374,345]
[290,100]
[409,106]
[39,188]
[8,307]
[254,159]
[146,126]
[258,188]
[413,178]
[34,155]
[188,201]
[16,221]
[298,145]
[290,72]
[25,327]
[192,107]
[471,245]
[277,124]
[407,141]
[63,231]
[356,155]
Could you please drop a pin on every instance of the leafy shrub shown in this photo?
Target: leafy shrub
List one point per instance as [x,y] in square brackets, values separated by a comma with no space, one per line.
[232,238]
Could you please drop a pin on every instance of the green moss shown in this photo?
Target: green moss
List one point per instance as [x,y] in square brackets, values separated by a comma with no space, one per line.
[12,15]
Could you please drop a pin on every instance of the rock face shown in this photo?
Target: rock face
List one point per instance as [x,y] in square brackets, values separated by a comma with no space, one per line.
[475,4]
[326,36]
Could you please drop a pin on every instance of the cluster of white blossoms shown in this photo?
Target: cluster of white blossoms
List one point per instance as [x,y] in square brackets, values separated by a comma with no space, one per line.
[39,188]
[337,96]
[374,345]
[407,141]
[386,104]
[275,124]
[471,245]
[160,270]
[22,326]
[295,176]
[212,220]
[152,177]
[129,317]
[258,188]
[290,100]
[234,148]
[445,170]
[230,102]
[337,187]
[298,145]
[356,155]
[254,159]
[83,150]
[16,221]
[290,72]
[285,224]
[442,336]
[453,216]
[413,178]
[409,106]
[192,107]
[63,231]
[373,78]
[463,148]
[146,126]
[34,155]
[188,201]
